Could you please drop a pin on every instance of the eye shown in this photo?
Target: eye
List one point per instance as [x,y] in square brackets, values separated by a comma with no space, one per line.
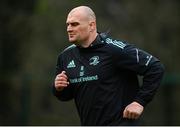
[67,24]
[75,24]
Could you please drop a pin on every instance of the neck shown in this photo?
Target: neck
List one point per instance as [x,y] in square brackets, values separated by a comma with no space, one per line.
[89,41]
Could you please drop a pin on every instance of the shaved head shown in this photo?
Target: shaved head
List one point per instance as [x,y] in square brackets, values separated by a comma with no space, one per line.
[85,11]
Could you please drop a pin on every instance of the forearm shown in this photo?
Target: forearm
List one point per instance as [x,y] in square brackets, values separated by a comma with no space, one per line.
[151,82]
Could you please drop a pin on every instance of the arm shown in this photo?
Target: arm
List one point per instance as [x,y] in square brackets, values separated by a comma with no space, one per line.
[146,65]
[61,88]
[142,63]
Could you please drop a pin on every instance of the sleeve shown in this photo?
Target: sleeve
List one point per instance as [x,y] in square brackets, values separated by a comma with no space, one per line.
[67,93]
[144,64]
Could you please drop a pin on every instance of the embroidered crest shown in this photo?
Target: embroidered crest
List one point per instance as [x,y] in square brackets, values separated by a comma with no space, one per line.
[94,60]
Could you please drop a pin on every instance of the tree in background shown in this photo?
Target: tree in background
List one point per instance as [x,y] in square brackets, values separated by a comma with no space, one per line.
[33,33]
[14,31]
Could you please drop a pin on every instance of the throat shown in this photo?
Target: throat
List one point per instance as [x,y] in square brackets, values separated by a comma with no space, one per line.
[88,42]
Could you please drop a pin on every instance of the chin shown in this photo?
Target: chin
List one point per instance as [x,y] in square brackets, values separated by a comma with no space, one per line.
[73,41]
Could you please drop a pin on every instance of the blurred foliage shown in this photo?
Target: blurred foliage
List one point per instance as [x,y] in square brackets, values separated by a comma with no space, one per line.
[33,33]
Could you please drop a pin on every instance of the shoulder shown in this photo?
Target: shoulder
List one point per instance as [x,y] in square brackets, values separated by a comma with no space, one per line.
[118,47]
[66,51]
[113,43]
[69,48]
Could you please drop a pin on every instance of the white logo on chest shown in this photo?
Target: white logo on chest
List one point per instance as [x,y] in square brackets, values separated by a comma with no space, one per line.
[71,64]
[94,60]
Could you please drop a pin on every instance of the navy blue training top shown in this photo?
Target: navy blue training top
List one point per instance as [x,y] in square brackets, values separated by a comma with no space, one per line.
[103,79]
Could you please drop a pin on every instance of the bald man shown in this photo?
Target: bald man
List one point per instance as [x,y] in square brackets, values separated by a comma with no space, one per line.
[100,74]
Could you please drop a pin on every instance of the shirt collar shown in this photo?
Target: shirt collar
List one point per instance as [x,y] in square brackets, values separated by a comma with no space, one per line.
[95,43]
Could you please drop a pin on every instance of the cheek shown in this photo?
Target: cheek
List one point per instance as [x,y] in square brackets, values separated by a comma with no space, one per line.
[84,32]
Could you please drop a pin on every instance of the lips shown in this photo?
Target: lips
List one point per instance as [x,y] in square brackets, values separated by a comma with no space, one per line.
[71,35]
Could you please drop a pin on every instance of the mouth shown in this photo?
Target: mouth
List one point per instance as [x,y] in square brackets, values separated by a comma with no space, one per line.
[71,35]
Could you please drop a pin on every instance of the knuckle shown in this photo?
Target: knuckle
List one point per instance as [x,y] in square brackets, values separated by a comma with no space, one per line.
[56,84]
[60,78]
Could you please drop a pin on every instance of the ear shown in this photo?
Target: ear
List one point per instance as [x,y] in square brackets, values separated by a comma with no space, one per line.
[92,26]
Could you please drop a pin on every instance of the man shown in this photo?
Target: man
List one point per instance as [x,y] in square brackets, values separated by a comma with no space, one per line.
[100,74]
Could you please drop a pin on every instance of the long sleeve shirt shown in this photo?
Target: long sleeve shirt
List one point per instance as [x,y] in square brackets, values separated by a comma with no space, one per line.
[103,79]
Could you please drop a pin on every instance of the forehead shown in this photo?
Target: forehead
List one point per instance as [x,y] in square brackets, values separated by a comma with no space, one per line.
[76,16]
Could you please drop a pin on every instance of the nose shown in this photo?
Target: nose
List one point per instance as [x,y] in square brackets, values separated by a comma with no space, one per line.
[69,28]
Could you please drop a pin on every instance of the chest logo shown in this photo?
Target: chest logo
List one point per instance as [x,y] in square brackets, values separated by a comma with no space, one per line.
[94,60]
[71,64]
[81,71]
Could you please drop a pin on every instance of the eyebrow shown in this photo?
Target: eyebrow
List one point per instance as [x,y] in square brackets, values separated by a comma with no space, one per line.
[72,23]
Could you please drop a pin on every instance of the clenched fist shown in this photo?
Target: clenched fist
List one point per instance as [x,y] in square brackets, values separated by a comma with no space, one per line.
[133,111]
[61,81]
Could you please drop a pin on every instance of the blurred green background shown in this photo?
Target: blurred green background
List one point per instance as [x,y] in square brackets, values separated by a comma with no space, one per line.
[33,33]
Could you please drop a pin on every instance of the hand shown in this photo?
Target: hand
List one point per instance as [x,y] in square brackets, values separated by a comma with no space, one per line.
[61,81]
[133,111]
